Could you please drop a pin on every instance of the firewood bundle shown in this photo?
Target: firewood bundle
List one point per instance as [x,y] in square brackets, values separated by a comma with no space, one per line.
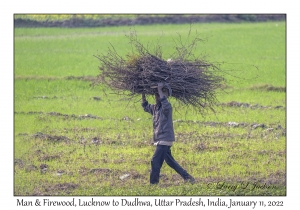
[193,82]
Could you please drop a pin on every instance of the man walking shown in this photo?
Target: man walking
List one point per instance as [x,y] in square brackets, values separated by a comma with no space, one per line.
[163,135]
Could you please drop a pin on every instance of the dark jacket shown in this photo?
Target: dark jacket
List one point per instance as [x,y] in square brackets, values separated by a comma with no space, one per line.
[162,120]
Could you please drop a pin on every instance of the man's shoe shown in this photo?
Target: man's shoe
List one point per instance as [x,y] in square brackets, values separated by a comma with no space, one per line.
[190,179]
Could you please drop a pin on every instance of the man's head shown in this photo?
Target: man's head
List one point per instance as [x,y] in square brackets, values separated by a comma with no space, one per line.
[165,93]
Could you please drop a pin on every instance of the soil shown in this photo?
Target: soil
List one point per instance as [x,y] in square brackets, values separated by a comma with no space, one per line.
[57,189]
[150,19]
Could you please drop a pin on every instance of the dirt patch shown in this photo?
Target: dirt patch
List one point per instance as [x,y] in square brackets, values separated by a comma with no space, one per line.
[201,147]
[64,186]
[151,19]
[89,116]
[204,146]
[85,116]
[98,171]
[104,171]
[163,177]
[269,88]
[48,157]
[65,116]
[136,175]
[18,162]
[43,168]
[176,178]
[29,168]
[191,135]
[56,189]
[83,78]
[251,106]
[79,129]
[51,138]
[276,179]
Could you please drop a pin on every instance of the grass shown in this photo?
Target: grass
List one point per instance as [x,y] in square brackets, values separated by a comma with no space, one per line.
[87,138]
[265,48]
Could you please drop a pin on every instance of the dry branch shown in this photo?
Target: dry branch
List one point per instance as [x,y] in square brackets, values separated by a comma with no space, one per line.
[193,81]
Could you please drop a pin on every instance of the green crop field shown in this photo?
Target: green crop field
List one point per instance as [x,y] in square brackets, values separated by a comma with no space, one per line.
[71,138]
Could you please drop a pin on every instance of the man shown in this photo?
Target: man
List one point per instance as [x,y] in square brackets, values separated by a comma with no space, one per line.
[163,135]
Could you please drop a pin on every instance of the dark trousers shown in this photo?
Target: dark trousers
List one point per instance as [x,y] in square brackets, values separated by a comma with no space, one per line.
[163,153]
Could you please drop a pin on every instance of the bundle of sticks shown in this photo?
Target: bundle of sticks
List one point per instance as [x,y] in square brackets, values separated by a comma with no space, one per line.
[193,82]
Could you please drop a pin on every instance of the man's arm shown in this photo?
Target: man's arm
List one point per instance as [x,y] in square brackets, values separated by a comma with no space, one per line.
[143,98]
[165,104]
[147,107]
[159,88]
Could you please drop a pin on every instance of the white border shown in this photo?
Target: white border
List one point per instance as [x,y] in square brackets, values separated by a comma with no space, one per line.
[6,85]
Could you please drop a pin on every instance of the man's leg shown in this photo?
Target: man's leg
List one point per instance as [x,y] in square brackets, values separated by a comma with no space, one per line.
[173,164]
[156,163]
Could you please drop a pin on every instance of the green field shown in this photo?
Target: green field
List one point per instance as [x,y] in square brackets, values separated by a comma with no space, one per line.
[74,139]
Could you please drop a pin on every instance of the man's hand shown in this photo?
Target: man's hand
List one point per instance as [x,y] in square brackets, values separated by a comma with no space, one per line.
[159,88]
[143,97]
